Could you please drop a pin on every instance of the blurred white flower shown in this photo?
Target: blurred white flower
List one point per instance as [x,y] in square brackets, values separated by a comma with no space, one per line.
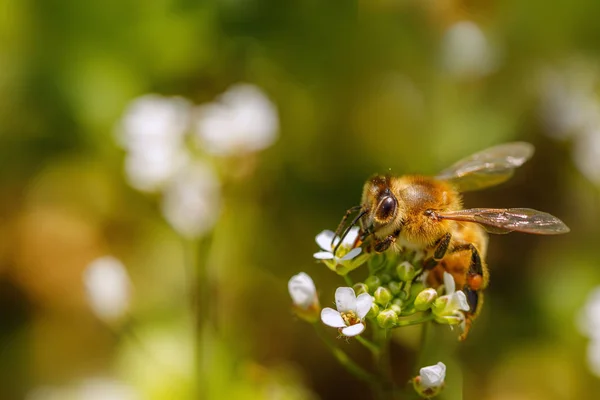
[108,288]
[588,319]
[302,290]
[242,120]
[304,296]
[154,117]
[350,311]
[150,169]
[593,357]
[466,51]
[152,131]
[448,309]
[568,102]
[586,153]
[91,389]
[191,201]
[588,323]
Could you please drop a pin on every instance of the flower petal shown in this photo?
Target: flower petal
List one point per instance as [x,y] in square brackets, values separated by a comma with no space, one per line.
[302,290]
[345,299]
[433,376]
[351,254]
[353,330]
[449,283]
[364,301]
[323,255]
[458,301]
[332,318]
[350,238]
[324,239]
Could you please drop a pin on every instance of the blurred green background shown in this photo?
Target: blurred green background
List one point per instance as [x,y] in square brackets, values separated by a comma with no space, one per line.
[360,87]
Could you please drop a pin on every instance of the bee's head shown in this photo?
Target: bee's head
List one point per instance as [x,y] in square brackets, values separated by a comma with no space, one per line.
[380,203]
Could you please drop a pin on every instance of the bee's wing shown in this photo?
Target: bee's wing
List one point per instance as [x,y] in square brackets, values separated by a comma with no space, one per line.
[488,167]
[504,220]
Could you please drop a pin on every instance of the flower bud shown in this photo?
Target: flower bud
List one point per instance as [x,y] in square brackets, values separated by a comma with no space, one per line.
[383,296]
[456,318]
[360,288]
[425,299]
[385,278]
[304,297]
[373,282]
[430,381]
[405,271]
[376,262]
[416,288]
[398,301]
[374,311]
[397,309]
[395,287]
[387,318]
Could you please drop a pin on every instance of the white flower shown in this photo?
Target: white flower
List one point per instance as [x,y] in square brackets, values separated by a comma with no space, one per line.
[586,153]
[466,51]
[108,288]
[302,290]
[90,389]
[150,169]
[350,311]
[588,320]
[191,201]
[243,120]
[447,309]
[327,240]
[593,357]
[346,258]
[152,131]
[433,376]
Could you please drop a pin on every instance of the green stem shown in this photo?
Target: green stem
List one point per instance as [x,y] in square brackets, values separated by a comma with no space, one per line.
[348,280]
[373,348]
[426,318]
[383,364]
[345,360]
[422,345]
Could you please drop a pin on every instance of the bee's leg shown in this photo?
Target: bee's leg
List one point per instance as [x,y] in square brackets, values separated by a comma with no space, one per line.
[476,281]
[475,300]
[477,276]
[441,247]
[383,244]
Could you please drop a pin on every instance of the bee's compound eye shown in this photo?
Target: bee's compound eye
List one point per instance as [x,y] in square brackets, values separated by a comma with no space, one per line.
[386,208]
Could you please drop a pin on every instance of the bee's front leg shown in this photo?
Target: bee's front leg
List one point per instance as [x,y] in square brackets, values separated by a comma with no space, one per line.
[381,245]
[441,247]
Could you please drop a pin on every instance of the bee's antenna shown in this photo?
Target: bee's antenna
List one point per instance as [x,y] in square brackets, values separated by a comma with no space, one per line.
[354,221]
[340,227]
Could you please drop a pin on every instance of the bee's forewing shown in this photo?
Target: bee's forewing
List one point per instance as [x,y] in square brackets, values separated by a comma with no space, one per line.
[506,220]
[488,167]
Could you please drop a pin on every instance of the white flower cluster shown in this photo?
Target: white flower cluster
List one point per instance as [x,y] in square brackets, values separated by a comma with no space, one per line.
[570,109]
[89,389]
[108,288]
[466,51]
[157,133]
[588,322]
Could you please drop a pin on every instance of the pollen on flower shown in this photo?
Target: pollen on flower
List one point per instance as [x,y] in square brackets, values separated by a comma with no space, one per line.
[350,317]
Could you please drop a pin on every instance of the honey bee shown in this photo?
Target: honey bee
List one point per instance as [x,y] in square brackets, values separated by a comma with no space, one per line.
[420,213]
